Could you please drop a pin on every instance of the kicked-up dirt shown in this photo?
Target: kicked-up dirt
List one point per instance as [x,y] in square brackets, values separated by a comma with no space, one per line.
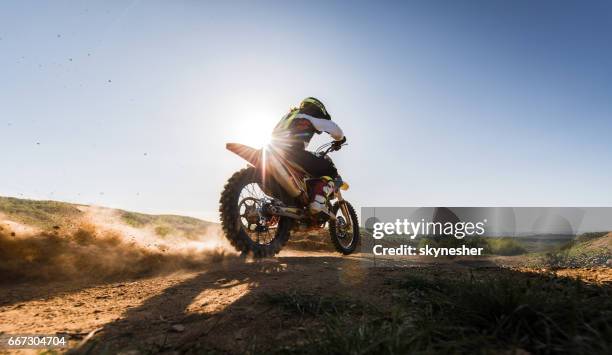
[225,308]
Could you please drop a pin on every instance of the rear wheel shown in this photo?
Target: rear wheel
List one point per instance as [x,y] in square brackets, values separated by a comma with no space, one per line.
[244,227]
[344,231]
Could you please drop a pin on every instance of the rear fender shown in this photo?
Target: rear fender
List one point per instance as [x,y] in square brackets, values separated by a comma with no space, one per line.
[271,164]
[252,155]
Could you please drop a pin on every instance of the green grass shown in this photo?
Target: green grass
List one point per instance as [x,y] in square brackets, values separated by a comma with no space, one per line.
[547,314]
[492,246]
[505,246]
[499,313]
[42,214]
[163,231]
[579,252]
[308,304]
[165,225]
[47,214]
[585,237]
[137,220]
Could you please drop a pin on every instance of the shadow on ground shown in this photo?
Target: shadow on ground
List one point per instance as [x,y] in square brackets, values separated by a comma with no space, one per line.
[227,309]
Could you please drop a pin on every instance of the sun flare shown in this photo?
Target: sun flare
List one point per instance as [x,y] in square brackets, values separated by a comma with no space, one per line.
[255,132]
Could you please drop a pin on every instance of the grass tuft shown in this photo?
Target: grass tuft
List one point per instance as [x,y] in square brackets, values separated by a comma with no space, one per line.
[308,304]
[503,313]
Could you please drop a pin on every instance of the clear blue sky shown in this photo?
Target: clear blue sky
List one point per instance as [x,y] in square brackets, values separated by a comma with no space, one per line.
[129,103]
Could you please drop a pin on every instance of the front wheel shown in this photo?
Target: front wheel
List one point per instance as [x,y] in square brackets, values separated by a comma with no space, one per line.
[344,231]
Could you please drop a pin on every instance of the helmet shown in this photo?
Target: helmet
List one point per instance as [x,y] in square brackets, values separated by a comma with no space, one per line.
[313,107]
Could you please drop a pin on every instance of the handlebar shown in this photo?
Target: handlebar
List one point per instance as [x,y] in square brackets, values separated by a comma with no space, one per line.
[328,148]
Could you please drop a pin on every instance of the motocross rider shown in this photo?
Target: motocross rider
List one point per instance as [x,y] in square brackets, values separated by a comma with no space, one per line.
[292,135]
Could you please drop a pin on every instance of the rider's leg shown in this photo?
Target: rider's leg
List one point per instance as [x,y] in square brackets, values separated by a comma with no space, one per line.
[317,167]
[314,165]
[320,191]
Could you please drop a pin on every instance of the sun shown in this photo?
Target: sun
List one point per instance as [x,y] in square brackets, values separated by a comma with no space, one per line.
[255,132]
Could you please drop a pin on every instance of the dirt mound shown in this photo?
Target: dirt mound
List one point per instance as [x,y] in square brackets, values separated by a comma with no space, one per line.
[318,240]
[604,242]
[587,250]
[92,253]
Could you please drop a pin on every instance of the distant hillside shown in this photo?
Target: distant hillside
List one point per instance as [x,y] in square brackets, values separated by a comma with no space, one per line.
[589,242]
[587,250]
[46,215]
[166,224]
[40,214]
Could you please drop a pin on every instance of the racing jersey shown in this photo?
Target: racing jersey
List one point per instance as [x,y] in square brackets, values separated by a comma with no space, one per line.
[295,130]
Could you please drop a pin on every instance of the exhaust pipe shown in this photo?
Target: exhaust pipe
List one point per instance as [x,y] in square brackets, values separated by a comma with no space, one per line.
[290,212]
[293,212]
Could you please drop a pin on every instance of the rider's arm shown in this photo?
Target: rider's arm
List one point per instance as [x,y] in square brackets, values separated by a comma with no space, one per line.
[328,126]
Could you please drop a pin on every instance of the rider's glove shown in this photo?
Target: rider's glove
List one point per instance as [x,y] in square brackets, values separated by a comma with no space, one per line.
[338,144]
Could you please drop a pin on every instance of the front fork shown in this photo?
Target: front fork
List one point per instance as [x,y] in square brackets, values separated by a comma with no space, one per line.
[343,208]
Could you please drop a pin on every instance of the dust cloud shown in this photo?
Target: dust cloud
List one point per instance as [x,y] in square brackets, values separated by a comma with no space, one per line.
[100,247]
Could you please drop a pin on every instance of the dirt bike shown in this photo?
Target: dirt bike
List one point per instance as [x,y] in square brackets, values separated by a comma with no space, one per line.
[262,204]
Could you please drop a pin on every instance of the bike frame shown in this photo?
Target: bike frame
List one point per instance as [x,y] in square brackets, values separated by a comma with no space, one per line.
[289,175]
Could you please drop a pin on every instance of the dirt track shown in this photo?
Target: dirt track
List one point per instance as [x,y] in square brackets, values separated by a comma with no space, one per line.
[140,292]
[218,308]
[209,306]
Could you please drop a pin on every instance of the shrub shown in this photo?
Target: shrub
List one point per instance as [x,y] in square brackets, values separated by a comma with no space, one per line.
[136,220]
[162,231]
[505,246]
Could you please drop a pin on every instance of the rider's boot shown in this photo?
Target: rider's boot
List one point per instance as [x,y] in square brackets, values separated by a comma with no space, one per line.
[320,192]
